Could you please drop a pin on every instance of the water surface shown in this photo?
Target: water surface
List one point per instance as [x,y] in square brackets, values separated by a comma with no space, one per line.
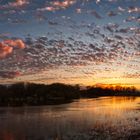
[84,119]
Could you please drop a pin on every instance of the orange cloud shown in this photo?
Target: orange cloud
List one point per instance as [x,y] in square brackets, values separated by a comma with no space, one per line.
[6,46]
[17,3]
[15,43]
[63,4]
[57,5]
[5,50]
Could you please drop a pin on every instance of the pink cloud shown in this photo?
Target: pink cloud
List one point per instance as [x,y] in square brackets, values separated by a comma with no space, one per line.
[5,50]
[6,46]
[9,74]
[15,43]
[57,5]
[17,3]
[63,4]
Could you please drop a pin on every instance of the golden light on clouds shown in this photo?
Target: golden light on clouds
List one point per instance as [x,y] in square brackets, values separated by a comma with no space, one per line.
[88,42]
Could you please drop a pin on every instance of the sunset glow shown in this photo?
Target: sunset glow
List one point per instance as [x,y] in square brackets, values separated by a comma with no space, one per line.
[85,42]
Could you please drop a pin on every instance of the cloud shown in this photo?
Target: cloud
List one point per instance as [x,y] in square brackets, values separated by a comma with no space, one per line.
[5,50]
[15,4]
[48,8]
[112,13]
[63,4]
[57,5]
[133,9]
[9,74]
[100,41]
[7,46]
[15,43]
[47,54]
[132,75]
[96,14]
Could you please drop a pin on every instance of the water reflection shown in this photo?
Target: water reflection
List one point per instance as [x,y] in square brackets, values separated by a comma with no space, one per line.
[101,118]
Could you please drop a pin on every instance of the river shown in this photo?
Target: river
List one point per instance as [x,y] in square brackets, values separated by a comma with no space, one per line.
[105,118]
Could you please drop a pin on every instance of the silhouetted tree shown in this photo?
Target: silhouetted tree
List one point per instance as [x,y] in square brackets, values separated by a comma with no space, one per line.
[39,94]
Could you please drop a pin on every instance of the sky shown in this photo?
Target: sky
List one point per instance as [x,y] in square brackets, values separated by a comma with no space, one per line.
[86,42]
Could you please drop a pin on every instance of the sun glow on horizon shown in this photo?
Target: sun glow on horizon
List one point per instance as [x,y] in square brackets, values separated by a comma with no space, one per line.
[70,41]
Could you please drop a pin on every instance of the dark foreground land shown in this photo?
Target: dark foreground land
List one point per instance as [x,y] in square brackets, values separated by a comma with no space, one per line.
[22,94]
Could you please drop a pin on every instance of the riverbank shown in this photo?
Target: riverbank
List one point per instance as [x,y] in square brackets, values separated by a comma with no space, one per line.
[22,94]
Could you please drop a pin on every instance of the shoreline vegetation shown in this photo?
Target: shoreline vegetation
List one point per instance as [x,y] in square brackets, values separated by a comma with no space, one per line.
[30,94]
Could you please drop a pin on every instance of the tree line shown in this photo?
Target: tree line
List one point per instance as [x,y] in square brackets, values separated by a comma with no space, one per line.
[20,94]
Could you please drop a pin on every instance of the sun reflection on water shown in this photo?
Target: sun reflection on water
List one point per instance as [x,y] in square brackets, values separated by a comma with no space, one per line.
[106,117]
